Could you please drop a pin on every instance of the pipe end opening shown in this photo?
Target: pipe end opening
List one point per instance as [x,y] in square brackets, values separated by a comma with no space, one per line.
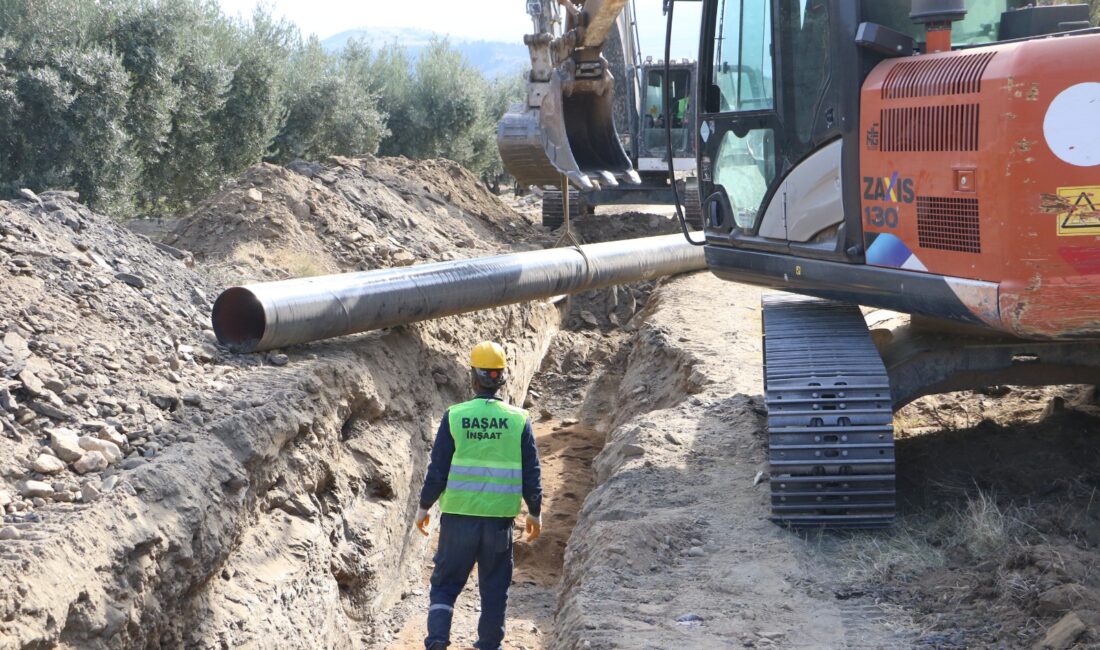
[239,320]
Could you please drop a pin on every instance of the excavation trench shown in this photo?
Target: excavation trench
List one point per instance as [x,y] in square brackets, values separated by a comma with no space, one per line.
[267,500]
[569,399]
[326,554]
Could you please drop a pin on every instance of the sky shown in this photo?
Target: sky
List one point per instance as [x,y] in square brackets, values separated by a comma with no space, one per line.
[507,19]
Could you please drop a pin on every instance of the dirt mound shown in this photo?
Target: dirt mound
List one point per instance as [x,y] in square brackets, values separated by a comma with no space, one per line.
[352,215]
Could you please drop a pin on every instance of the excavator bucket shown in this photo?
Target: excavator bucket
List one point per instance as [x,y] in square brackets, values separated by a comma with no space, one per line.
[567,125]
[572,133]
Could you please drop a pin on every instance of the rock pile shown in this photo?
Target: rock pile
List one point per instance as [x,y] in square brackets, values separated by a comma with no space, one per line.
[101,331]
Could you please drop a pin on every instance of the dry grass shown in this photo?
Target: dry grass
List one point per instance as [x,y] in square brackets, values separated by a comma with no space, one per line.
[919,542]
[983,527]
[899,554]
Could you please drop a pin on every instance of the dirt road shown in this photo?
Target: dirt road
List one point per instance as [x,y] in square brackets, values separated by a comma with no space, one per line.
[673,548]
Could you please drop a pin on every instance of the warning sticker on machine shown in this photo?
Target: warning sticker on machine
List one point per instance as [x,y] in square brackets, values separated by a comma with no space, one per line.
[1079,211]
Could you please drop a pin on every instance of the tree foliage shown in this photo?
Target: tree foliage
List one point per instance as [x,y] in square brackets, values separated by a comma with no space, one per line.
[149,105]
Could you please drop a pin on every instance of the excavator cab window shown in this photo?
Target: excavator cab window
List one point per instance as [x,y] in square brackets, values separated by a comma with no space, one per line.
[742,79]
[655,113]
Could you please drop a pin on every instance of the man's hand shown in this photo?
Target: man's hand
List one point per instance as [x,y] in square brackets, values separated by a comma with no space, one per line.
[534,528]
[422,519]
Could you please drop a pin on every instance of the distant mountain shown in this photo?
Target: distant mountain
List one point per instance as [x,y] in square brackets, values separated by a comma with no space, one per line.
[493,58]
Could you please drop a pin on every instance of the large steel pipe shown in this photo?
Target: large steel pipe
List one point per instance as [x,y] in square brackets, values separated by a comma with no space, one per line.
[276,314]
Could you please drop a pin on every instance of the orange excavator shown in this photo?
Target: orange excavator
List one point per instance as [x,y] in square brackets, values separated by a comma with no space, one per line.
[938,158]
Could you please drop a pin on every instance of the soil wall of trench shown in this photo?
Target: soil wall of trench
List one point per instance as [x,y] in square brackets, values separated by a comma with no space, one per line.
[258,500]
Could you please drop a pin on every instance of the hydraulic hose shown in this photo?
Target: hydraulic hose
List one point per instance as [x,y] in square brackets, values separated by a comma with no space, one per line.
[668,128]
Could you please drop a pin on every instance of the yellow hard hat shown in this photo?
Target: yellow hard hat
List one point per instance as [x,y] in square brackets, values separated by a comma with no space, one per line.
[488,355]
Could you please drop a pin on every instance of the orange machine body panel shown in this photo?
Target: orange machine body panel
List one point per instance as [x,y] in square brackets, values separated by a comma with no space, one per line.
[983,165]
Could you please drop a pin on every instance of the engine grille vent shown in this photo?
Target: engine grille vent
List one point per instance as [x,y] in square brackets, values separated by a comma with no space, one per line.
[931,128]
[955,75]
[949,224]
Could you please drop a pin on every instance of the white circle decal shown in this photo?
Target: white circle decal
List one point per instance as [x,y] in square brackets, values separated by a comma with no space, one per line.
[1072,125]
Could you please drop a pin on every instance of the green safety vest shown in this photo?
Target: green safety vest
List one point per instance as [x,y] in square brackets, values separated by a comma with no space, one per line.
[486,478]
[682,107]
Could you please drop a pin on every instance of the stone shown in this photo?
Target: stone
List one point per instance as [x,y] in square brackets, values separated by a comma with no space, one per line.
[29,195]
[93,461]
[690,619]
[135,281]
[192,399]
[49,410]
[590,318]
[254,195]
[31,489]
[47,464]
[673,438]
[695,551]
[66,444]
[109,449]
[133,463]
[631,450]
[1056,405]
[89,493]
[1063,634]
[32,383]
[305,168]
[5,498]
[9,532]
[278,359]
[56,386]
[109,483]
[166,401]
[206,352]
[440,379]
[7,402]
[1066,597]
[112,434]
[403,258]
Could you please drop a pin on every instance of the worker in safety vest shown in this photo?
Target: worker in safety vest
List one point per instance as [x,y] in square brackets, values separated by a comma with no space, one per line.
[483,461]
[681,111]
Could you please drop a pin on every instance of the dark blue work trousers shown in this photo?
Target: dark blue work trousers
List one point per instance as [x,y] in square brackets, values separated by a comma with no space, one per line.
[464,541]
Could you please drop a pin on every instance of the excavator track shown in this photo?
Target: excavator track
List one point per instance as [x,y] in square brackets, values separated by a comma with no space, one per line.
[830,417]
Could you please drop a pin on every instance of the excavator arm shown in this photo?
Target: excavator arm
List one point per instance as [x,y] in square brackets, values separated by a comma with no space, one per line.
[566,126]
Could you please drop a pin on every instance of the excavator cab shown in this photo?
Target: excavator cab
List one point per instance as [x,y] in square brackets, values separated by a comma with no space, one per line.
[780,136]
[679,109]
